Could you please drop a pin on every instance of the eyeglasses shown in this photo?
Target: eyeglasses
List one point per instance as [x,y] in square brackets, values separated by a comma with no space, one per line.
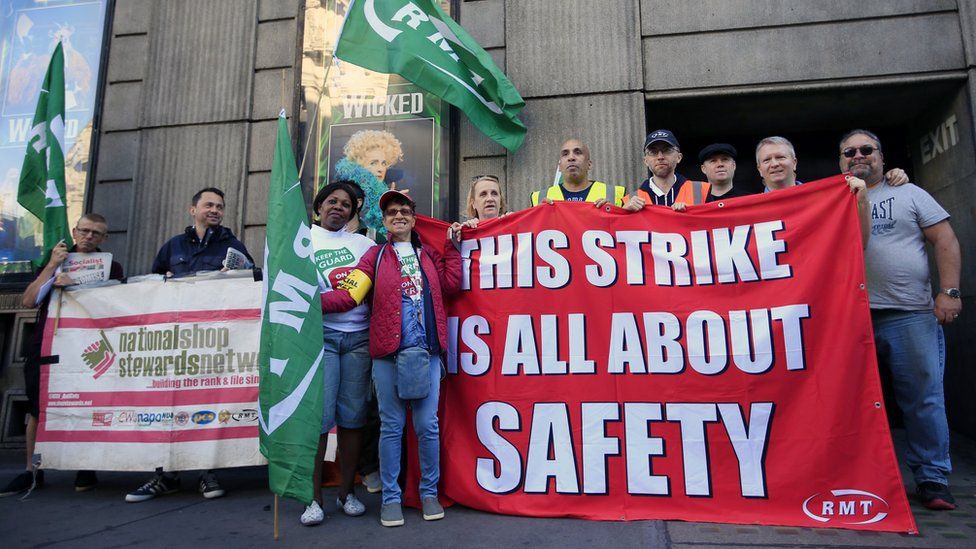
[665,151]
[392,212]
[89,232]
[865,150]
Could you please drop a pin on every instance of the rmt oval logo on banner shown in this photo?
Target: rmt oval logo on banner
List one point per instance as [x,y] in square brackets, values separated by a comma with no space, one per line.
[846,506]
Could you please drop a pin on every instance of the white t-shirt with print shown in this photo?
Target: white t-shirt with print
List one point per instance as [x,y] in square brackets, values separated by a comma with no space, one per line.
[336,254]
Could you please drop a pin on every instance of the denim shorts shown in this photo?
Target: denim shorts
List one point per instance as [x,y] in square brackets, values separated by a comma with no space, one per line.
[347,371]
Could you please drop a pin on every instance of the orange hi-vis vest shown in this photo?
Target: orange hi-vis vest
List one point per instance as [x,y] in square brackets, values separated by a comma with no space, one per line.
[691,192]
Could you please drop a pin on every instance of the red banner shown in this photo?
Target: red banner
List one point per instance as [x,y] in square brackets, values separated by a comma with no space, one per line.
[714,365]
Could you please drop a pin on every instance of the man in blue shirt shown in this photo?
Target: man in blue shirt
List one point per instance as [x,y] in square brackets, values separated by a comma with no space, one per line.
[203,245]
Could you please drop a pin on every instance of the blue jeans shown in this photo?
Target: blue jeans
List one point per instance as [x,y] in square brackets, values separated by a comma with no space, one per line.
[393,415]
[911,344]
[345,382]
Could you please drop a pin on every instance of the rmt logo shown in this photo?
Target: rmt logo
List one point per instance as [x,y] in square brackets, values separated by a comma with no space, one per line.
[846,506]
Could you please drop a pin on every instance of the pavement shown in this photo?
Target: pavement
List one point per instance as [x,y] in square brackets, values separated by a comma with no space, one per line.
[56,516]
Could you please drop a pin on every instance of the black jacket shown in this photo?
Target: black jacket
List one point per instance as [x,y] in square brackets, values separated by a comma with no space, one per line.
[186,254]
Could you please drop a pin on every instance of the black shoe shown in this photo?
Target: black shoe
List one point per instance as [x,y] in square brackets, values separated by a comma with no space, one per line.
[22,483]
[935,496]
[209,487]
[85,481]
[159,485]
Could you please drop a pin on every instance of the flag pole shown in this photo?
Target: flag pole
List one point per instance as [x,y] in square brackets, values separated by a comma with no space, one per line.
[276,517]
[314,120]
[325,80]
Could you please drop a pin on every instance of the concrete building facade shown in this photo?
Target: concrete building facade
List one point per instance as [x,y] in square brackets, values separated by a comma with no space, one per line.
[193,89]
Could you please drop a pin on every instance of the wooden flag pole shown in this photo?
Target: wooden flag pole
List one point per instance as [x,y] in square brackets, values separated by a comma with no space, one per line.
[276,518]
[313,121]
[57,317]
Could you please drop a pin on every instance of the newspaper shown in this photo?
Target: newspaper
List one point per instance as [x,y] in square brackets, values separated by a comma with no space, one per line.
[236,260]
[88,268]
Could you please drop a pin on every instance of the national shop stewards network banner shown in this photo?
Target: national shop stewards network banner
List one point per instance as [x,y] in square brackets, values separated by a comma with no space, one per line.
[714,365]
[153,374]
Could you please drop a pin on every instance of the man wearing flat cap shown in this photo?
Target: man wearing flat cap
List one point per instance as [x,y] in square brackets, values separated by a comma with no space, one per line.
[718,165]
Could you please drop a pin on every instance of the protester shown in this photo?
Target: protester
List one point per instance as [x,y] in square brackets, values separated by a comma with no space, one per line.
[368,156]
[576,186]
[203,245]
[776,161]
[485,200]
[88,234]
[408,333]
[718,165]
[369,456]
[664,187]
[345,336]
[907,321]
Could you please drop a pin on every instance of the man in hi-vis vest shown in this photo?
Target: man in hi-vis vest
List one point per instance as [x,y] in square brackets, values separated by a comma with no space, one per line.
[664,187]
[574,165]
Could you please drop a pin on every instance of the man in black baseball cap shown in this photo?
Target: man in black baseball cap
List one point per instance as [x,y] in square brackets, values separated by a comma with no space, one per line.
[718,165]
[664,187]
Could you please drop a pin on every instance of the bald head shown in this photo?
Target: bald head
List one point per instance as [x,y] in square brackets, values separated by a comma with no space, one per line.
[574,162]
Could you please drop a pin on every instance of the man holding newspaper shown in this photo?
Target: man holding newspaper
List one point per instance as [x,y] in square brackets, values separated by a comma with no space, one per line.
[206,245]
[81,264]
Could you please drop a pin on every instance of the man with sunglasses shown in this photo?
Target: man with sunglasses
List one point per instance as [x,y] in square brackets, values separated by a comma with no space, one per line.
[88,234]
[906,320]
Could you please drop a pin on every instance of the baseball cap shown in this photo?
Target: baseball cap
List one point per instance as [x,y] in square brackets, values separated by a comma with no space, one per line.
[714,149]
[386,197]
[661,135]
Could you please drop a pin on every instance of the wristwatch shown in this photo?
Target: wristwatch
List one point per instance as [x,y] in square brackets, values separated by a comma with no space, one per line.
[951,292]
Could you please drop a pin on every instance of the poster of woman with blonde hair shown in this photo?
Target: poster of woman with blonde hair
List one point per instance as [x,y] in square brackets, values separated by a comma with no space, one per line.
[382,156]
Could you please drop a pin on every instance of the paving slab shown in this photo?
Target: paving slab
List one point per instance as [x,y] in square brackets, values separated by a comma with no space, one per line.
[55,516]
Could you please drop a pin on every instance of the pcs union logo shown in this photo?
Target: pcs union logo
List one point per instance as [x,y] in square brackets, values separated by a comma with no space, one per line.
[99,356]
[846,506]
[203,417]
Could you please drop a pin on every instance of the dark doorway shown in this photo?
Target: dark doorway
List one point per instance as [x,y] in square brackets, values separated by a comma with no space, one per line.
[813,121]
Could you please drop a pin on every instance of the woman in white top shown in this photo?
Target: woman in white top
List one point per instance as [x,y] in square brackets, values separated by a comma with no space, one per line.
[346,361]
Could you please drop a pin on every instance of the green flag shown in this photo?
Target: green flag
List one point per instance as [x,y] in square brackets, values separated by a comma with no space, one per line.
[415,39]
[42,190]
[290,396]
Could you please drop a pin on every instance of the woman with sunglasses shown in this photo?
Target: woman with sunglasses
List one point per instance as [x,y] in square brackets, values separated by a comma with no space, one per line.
[407,335]
[485,200]
[346,361]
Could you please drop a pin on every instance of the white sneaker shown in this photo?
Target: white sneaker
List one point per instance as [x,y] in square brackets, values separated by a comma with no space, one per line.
[313,515]
[352,507]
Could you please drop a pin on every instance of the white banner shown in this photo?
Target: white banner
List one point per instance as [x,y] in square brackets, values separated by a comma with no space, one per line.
[153,374]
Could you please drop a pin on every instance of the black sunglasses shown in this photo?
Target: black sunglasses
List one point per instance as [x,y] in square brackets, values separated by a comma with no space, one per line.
[865,150]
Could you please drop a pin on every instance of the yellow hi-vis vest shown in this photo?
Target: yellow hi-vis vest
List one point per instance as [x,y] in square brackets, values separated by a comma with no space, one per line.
[598,191]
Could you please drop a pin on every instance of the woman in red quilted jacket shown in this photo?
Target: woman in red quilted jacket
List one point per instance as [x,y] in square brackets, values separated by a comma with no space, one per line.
[407,282]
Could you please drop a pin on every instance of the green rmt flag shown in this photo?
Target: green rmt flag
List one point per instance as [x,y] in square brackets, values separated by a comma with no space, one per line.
[415,39]
[290,395]
[42,189]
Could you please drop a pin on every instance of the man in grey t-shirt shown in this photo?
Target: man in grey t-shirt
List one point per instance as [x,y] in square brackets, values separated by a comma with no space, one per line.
[907,321]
